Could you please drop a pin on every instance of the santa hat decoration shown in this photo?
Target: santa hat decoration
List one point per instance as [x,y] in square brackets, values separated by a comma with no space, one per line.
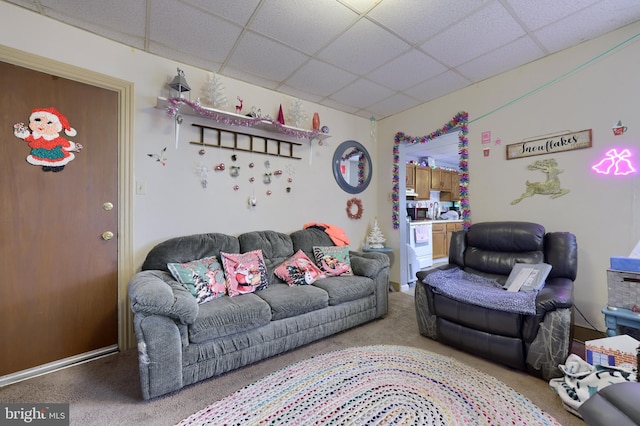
[54,116]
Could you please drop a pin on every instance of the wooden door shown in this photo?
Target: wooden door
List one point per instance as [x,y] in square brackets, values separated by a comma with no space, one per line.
[58,296]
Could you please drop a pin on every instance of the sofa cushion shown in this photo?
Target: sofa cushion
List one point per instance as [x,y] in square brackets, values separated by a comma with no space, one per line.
[333,260]
[276,248]
[346,288]
[245,272]
[229,315]
[286,301]
[298,270]
[306,239]
[188,248]
[203,277]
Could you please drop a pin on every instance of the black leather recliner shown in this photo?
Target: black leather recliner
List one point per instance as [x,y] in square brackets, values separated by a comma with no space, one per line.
[616,404]
[535,343]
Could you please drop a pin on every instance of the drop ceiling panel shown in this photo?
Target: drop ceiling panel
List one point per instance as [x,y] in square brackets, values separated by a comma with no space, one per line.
[406,70]
[304,25]
[363,47]
[358,56]
[320,78]
[485,30]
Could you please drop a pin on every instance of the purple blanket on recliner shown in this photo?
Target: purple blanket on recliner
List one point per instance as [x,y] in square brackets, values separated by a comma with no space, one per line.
[477,290]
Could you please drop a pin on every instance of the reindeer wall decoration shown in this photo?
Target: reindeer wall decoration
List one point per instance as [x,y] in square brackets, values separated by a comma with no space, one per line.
[550,187]
[239,106]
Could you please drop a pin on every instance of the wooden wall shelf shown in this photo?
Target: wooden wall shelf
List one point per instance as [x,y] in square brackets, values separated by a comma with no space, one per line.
[232,122]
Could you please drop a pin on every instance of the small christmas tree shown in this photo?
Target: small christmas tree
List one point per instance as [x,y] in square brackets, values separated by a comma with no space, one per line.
[375,239]
[214,92]
[296,113]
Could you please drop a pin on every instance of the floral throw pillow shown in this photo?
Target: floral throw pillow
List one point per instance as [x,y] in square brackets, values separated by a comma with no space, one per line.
[245,272]
[333,260]
[204,278]
[298,270]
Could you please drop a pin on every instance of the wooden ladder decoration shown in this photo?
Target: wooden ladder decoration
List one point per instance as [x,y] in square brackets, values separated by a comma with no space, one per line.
[283,148]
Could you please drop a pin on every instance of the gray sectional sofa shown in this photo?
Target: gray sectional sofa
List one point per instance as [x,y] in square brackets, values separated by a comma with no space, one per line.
[181,342]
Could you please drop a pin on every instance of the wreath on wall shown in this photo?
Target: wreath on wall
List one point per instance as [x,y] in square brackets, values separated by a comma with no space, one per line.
[358,208]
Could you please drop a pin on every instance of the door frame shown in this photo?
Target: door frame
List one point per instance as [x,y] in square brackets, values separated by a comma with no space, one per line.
[126,337]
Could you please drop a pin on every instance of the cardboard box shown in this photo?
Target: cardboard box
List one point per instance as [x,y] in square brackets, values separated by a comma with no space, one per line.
[623,289]
[617,351]
[620,263]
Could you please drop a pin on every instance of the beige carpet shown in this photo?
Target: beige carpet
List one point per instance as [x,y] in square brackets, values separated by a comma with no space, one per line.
[107,391]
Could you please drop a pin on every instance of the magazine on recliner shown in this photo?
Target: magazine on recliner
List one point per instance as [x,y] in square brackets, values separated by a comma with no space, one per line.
[527,276]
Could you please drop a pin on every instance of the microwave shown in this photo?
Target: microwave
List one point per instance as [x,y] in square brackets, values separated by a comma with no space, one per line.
[417,213]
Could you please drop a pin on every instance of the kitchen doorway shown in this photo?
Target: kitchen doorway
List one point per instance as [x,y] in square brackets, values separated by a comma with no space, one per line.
[451,147]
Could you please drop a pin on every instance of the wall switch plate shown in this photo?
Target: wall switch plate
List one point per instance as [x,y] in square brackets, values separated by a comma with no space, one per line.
[141,187]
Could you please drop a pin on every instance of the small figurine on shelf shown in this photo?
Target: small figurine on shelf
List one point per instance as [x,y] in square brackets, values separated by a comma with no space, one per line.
[375,239]
[239,106]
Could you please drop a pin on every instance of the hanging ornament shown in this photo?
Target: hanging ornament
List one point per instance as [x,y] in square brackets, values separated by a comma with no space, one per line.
[160,158]
[252,201]
[219,167]
[234,157]
[267,178]
[269,192]
[252,179]
[251,165]
[236,187]
[288,189]
[202,170]
[235,171]
[278,172]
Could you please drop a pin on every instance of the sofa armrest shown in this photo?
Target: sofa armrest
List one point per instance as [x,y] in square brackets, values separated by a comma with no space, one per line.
[157,293]
[368,264]
[557,293]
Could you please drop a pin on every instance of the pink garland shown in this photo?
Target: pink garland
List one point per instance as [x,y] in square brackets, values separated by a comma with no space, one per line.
[459,121]
[221,117]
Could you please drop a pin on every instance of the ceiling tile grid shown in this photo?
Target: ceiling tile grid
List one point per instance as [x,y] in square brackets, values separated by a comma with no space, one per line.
[363,57]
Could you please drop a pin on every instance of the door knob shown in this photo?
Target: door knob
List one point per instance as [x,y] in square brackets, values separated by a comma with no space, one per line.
[107,235]
[107,206]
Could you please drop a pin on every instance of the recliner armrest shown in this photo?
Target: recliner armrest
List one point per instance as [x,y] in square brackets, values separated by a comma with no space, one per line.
[557,293]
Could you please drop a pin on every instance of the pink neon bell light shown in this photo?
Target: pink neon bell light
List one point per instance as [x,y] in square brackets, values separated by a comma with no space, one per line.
[616,163]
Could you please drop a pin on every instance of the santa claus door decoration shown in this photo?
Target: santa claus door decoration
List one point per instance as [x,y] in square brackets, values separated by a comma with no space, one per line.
[48,148]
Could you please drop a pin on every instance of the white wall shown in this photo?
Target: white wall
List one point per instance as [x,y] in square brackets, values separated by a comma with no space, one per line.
[175,203]
[601,211]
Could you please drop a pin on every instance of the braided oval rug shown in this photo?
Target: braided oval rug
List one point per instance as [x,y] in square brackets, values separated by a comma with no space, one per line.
[375,385]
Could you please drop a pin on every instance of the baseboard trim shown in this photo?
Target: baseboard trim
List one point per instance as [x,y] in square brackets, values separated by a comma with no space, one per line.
[582,334]
[56,365]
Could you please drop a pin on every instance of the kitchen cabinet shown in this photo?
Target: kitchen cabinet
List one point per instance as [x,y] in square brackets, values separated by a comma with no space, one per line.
[455,186]
[454,195]
[451,228]
[411,177]
[423,182]
[439,239]
[441,180]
